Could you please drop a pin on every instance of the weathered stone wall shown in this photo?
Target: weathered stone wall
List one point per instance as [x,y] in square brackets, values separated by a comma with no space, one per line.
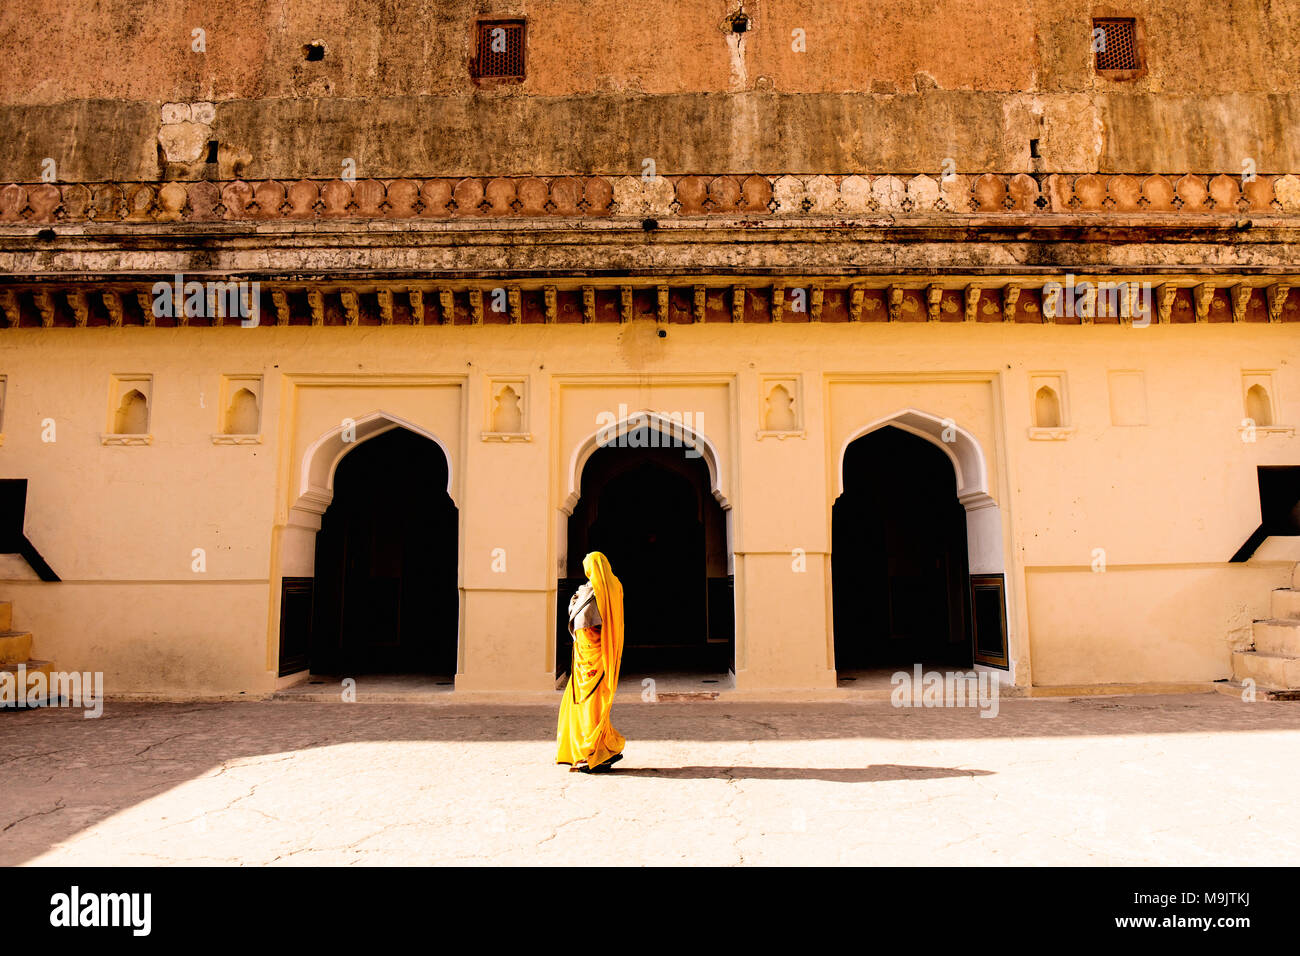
[900,88]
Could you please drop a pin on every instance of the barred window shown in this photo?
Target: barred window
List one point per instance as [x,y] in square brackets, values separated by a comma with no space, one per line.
[499,50]
[1115,43]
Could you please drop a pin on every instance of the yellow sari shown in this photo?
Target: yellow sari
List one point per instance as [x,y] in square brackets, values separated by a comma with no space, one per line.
[584,731]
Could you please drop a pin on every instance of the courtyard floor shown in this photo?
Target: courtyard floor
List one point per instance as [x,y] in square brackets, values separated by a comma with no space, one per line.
[1192,779]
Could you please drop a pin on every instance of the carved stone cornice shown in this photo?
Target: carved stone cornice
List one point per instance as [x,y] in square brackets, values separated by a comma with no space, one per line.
[672,197]
[1125,299]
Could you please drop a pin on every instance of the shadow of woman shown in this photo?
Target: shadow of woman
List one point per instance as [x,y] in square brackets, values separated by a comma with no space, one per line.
[874,773]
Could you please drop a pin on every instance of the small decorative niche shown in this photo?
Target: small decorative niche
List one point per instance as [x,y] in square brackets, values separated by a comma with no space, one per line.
[130,408]
[1260,404]
[1049,408]
[780,411]
[507,410]
[240,411]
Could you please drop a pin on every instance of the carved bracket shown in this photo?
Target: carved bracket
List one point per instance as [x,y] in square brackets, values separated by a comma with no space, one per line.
[1203,295]
[1009,296]
[351,307]
[1277,295]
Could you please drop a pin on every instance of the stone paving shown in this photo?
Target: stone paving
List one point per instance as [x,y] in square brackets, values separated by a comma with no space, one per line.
[1194,779]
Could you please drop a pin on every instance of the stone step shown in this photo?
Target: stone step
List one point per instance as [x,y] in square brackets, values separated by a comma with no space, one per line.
[1238,690]
[15,646]
[6,615]
[1280,637]
[1266,670]
[12,696]
[1284,604]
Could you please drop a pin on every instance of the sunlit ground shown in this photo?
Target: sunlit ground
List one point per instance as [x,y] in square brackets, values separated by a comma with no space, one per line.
[1154,780]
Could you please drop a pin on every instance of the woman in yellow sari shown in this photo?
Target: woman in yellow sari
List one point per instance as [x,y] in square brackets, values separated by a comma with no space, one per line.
[587,741]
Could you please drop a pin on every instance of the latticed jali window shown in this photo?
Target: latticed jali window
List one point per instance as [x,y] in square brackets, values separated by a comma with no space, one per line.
[500,49]
[1115,42]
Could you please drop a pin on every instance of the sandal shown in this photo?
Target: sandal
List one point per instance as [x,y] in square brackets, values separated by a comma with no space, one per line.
[607,766]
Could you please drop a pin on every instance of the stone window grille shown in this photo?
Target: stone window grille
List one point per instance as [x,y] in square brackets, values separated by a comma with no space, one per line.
[1117,47]
[498,50]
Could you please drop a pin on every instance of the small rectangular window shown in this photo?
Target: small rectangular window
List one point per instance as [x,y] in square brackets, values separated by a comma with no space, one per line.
[499,50]
[1115,43]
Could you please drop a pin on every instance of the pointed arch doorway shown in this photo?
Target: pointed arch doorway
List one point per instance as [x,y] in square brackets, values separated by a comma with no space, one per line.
[899,568]
[652,509]
[917,563]
[386,594]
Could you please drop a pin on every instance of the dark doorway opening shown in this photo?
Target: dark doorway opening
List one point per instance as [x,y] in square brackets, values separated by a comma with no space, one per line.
[1279,507]
[652,512]
[386,598]
[899,565]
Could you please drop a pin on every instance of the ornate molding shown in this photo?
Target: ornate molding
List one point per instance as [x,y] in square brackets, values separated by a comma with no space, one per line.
[112,439]
[715,195]
[557,299]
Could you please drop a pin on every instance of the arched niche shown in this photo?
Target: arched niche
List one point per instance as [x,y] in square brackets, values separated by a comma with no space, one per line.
[132,416]
[983,516]
[1047,408]
[242,415]
[1258,406]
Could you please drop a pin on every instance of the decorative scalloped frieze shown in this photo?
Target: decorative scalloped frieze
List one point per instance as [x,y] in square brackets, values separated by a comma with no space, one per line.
[634,197]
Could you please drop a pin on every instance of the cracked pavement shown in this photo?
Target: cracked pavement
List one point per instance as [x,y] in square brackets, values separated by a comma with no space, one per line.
[1192,779]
